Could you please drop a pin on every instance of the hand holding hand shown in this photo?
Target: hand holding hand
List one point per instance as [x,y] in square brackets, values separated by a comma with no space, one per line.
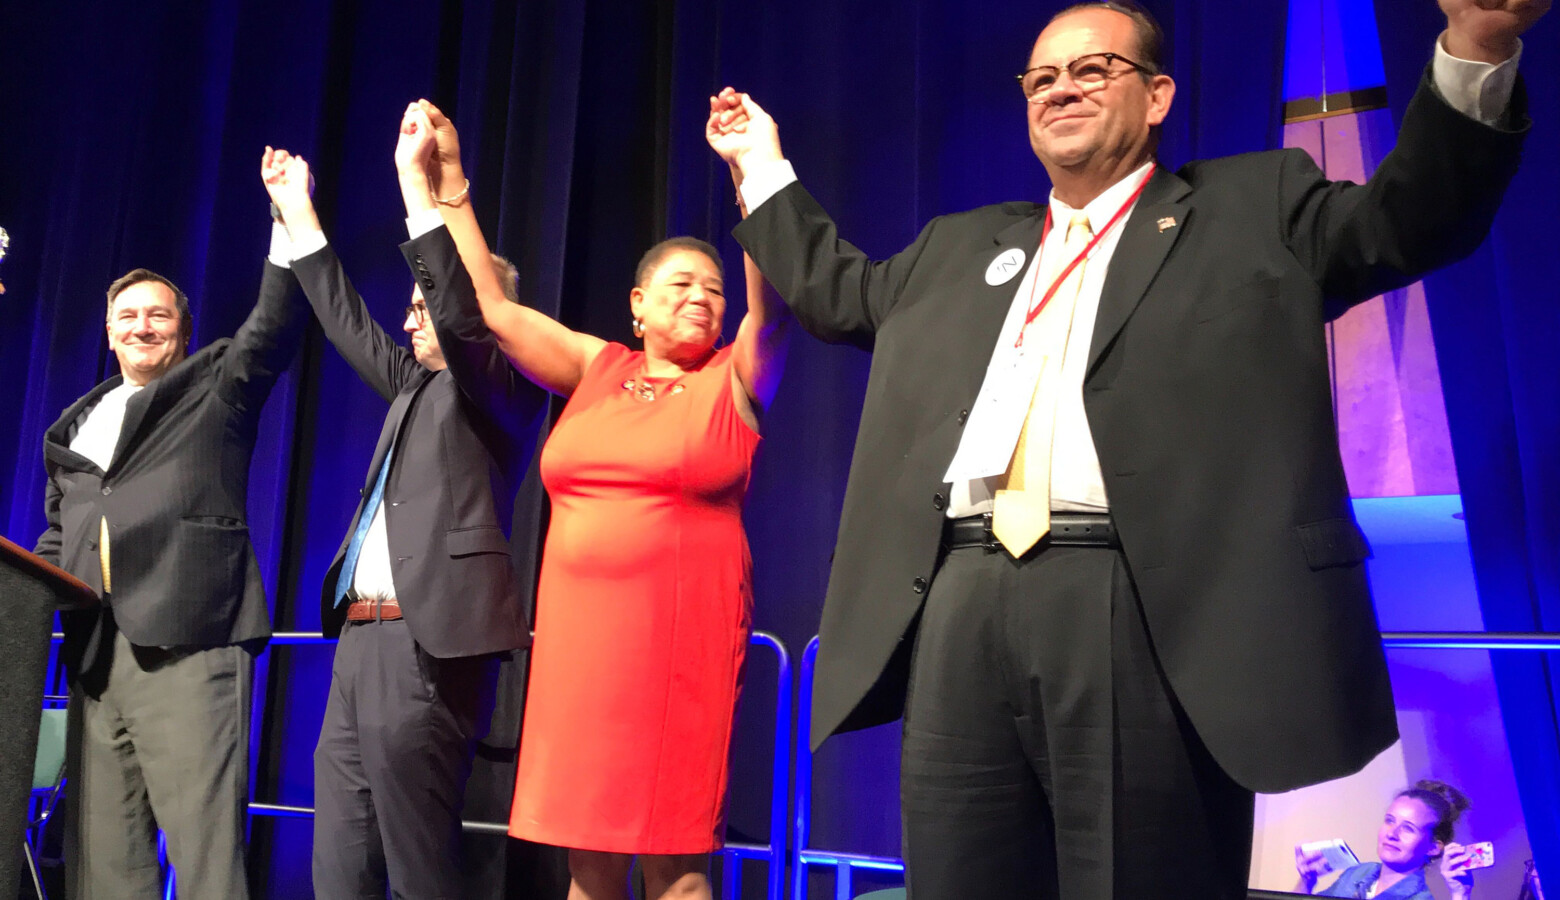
[1454,868]
[446,172]
[1487,30]
[415,144]
[740,131]
[289,183]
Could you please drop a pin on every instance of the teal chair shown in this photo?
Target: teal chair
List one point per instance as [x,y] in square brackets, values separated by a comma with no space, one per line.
[889,894]
[48,778]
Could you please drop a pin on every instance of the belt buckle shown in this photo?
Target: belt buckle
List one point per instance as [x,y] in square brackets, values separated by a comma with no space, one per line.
[988,538]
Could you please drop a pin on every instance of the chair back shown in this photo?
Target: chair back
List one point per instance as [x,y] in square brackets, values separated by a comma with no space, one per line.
[49,764]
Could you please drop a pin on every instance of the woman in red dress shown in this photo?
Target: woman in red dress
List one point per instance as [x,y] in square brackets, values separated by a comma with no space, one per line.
[644,604]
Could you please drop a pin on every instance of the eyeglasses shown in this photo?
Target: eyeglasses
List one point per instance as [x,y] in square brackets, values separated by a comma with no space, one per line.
[1089,73]
[418,311]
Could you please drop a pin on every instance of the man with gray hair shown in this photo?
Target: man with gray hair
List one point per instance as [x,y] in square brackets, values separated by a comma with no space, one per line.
[422,591]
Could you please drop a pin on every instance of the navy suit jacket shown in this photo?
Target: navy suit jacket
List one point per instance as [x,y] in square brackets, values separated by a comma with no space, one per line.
[463,438]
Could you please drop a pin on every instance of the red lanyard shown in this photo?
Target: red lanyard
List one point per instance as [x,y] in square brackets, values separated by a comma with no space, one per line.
[1034,311]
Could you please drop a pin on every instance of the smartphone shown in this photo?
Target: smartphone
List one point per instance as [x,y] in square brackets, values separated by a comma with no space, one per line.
[1481,855]
[1335,853]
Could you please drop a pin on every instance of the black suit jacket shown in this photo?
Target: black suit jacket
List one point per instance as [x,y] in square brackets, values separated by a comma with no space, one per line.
[184,571]
[463,441]
[1208,398]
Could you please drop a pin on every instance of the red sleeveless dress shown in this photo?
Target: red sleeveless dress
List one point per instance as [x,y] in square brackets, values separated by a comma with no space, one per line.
[643,614]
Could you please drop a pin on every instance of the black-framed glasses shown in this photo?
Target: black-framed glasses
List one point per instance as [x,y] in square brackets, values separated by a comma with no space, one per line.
[419,311]
[1088,72]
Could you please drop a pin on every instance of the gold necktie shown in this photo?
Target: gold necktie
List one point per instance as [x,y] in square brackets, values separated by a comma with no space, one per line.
[1021,510]
[103,553]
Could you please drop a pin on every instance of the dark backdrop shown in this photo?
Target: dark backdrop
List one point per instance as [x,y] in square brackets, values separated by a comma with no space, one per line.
[132,135]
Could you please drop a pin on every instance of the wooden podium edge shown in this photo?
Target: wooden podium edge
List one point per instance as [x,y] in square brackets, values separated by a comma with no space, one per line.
[75,593]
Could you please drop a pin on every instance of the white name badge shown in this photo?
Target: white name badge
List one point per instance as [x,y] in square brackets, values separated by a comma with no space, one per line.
[991,434]
[1008,263]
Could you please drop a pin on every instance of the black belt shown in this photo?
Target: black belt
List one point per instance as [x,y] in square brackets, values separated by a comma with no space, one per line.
[1067,530]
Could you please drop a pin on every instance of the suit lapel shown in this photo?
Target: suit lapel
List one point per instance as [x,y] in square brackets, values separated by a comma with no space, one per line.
[56,441]
[394,419]
[987,318]
[1023,234]
[1146,239]
[135,413]
[149,402]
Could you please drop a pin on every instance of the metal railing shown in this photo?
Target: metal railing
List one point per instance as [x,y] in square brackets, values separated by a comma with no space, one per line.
[1470,640]
[791,737]
[732,854]
[773,853]
[804,857]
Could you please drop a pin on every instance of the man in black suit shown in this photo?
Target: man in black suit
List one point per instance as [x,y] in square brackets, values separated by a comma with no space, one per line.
[148,481]
[423,579]
[1096,516]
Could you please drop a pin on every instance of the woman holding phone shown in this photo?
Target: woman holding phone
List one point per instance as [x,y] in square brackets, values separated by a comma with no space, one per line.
[1415,831]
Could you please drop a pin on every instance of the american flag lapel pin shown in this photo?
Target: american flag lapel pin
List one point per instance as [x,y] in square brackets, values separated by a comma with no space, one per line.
[1166,223]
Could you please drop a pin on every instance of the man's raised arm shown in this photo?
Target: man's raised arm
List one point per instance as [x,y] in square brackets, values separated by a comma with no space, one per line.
[451,284]
[264,345]
[836,292]
[382,363]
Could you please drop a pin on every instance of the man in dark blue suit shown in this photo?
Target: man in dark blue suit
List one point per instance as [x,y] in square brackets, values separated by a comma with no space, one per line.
[422,590]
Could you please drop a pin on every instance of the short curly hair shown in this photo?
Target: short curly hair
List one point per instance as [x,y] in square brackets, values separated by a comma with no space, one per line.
[653,257]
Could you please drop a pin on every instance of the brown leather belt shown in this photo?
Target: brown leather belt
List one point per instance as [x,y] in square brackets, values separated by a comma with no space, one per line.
[1067,530]
[371,610]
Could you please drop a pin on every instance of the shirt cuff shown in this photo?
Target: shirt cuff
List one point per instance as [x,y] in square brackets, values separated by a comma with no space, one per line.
[764,181]
[307,243]
[423,221]
[280,254]
[1478,90]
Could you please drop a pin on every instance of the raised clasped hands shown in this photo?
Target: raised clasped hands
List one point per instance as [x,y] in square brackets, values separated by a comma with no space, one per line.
[415,144]
[445,173]
[740,132]
[288,181]
[427,158]
[1487,30]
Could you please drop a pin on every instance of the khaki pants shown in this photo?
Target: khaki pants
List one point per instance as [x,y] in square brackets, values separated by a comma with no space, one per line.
[159,739]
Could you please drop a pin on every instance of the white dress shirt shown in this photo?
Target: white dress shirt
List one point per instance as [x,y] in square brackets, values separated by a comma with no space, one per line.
[97,429]
[1478,90]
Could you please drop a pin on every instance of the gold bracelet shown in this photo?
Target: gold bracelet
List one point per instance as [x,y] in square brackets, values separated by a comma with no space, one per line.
[455,199]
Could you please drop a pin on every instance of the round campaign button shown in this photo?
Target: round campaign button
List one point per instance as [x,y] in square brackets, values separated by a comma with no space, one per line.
[1007,264]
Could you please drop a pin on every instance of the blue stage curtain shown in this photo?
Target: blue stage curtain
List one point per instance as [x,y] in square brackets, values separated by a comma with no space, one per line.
[132,138]
[1496,330]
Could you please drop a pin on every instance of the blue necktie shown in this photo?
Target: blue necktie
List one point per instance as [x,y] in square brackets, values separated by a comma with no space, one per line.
[355,546]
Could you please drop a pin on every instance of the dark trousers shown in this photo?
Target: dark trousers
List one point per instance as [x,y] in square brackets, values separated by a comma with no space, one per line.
[159,739]
[396,747]
[1044,756]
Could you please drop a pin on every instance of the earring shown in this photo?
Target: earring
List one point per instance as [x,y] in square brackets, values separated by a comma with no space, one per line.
[639,328]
